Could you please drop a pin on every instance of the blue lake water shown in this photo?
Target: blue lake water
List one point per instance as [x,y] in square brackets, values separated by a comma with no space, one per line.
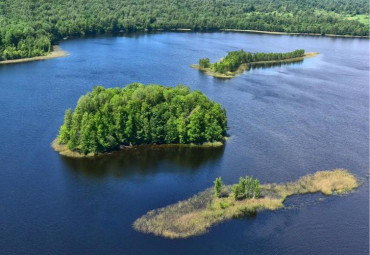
[284,122]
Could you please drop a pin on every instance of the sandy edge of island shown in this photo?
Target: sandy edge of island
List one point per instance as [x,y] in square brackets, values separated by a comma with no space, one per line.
[57,52]
[64,151]
[243,67]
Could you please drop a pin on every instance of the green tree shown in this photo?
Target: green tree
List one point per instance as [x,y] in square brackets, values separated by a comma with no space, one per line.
[64,132]
[247,188]
[257,189]
[218,186]
[237,194]
[204,62]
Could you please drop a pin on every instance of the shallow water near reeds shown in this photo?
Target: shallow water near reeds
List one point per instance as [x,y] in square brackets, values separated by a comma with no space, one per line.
[284,122]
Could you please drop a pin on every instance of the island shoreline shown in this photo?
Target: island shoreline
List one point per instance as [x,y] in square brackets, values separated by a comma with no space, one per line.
[197,214]
[57,52]
[64,151]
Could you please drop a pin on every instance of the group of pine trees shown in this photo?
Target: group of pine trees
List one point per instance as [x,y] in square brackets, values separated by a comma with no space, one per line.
[234,59]
[28,27]
[104,119]
[247,187]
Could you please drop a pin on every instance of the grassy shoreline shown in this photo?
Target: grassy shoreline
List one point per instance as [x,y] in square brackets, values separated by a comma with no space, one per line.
[64,151]
[57,52]
[244,67]
[197,214]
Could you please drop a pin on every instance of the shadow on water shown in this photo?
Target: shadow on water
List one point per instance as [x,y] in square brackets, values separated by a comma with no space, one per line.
[144,160]
[249,67]
[268,65]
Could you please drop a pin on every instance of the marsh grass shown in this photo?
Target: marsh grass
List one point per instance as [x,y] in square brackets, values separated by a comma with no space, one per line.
[197,214]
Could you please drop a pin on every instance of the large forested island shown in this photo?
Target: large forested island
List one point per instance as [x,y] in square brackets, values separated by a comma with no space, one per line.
[212,206]
[106,119]
[237,61]
[29,28]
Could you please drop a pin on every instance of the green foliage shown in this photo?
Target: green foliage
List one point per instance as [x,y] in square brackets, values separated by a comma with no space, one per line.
[237,193]
[64,133]
[218,186]
[204,62]
[225,204]
[104,119]
[234,59]
[28,27]
[246,188]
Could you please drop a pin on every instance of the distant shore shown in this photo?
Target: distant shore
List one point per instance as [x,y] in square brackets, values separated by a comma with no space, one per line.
[286,33]
[257,32]
[244,67]
[57,52]
[64,151]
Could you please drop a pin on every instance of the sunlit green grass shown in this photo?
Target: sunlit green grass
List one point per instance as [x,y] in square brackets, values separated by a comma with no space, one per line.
[363,18]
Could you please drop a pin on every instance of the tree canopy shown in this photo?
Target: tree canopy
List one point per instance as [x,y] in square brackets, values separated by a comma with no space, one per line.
[28,28]
[104,119]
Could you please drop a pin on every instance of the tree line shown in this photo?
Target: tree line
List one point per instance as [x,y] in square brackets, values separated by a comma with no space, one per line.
[247,187]
[28,28]
[104,119]
[234,59]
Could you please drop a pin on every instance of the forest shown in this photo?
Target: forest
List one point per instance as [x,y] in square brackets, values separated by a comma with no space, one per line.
[28,28]
[104,119]
[234,59]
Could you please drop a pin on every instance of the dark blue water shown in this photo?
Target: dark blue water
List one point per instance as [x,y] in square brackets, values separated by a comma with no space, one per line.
[284,122]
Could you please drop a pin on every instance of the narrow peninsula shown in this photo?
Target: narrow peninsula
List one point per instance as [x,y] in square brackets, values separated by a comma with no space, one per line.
[236,62]
[212,206]
[56,52]
[105,120]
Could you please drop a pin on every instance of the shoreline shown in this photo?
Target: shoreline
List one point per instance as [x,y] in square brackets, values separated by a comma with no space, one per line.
[64,151]
[197,214]
[57,52]
[286,33]
[247,66]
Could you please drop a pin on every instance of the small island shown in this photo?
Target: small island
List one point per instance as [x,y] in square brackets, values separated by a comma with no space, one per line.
[212,206]
[238,61]
[105,120]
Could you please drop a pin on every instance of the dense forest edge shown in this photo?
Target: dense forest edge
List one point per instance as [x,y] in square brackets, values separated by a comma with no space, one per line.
[197,214]
[236,62]
[105,120]
[30,28]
